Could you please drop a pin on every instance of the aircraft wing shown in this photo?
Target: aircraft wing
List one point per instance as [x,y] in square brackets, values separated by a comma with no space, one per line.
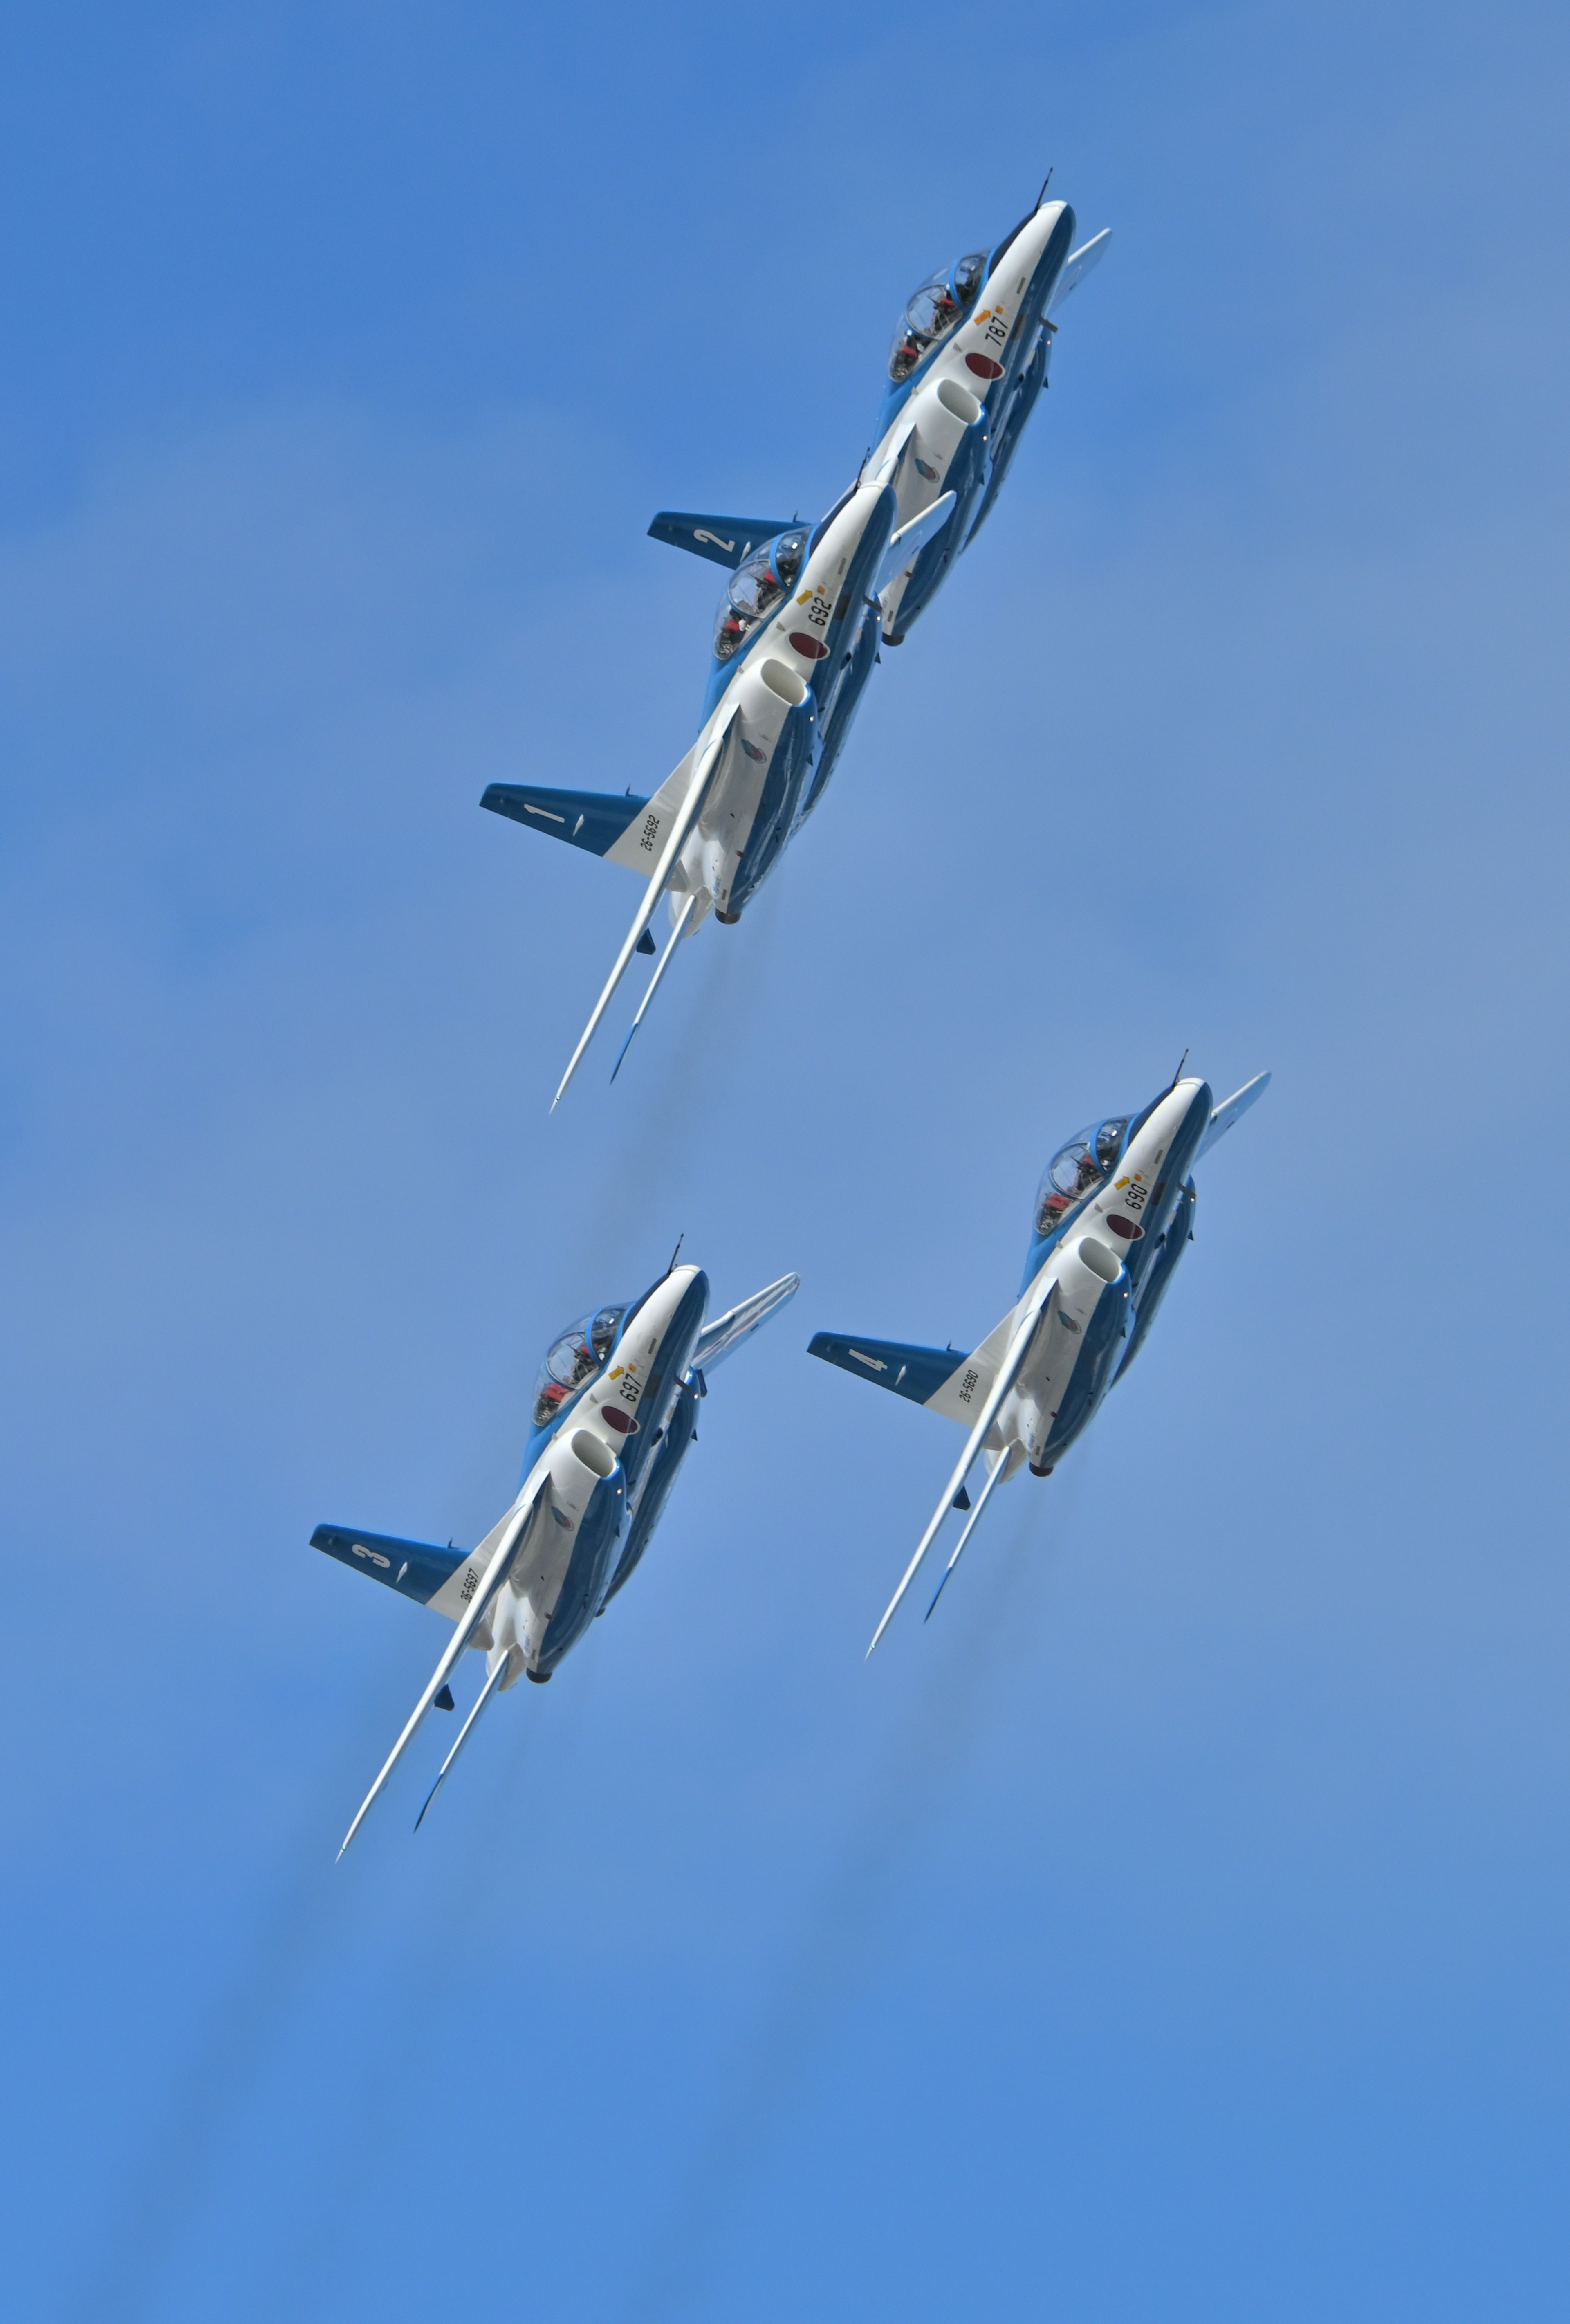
[716,1339]
[489,1565]
[1230,1110]
[1021,1326]
[1078,265]
[659,835]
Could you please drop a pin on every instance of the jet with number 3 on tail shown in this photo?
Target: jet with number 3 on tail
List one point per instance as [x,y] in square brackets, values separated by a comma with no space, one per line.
[1114,1215]
[615,1414]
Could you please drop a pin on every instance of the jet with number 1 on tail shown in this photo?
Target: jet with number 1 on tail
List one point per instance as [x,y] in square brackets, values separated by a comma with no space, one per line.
[615,1414]
[969,360]
[1114,1215]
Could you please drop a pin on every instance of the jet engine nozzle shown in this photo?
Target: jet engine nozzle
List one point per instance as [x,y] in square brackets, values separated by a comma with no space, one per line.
[1099,1258]
[592,1452]
[958,402]
[577,1465]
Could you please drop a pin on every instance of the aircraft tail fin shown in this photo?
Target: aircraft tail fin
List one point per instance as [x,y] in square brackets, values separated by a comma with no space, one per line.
[1078,265]
[1230,1110]
[726,1332]
[722,540]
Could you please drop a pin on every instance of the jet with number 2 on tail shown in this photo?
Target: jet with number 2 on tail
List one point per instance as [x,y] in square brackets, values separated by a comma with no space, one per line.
[1114,1215]
[615,1414]
[793,647]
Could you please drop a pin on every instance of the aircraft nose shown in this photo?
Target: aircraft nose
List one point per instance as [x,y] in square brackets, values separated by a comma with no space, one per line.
[682,1288]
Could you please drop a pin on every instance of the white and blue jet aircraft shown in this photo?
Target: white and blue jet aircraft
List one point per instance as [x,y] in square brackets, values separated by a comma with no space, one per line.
[1113,1217]
[793,647]
[802,615]
[969,358]
[615,1411]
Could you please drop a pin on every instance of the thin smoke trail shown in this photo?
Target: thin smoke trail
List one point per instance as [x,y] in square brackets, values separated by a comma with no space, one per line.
[172,2181]
[919,1768]
[297,2277]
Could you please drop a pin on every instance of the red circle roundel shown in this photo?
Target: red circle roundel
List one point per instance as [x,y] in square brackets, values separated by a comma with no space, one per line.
[813,649]
[614,1418]
[983,367]
[1125,1228]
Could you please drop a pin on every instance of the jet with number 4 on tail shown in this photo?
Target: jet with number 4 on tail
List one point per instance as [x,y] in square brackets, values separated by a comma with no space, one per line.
[1114,1215]
[615,1414]
[794,646]
[969,359]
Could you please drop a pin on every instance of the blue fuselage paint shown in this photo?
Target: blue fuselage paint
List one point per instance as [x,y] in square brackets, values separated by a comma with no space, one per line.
[614,1529]
[589,1571]
[659,1476]
[1095,1368]
[1162,1265]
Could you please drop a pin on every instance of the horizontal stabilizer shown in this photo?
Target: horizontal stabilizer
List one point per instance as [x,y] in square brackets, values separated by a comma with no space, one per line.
[417,1568]
[723,539]
[727,1332]
[1078,265]
[592,819]
[916,1372]
[1231,1110]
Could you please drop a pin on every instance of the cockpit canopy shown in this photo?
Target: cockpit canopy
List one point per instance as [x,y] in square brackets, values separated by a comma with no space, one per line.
[757,586]
[932,311]
[574,1356]
[1086,1162]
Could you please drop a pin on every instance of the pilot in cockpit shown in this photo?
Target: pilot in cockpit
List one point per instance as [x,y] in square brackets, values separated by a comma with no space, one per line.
[756,588]
[932,311]
[575,1355]
[1075,1171]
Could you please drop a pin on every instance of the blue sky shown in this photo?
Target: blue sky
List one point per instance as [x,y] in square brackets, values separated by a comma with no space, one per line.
[1175,1928]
